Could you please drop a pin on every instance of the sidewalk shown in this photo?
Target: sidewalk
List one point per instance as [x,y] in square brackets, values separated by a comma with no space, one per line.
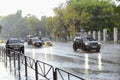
[5,72]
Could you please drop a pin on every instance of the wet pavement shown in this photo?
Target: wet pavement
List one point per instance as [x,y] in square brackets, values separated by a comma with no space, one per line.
[103,65]
[5,73]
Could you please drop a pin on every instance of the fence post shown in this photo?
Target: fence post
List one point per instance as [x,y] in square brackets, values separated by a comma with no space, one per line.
[99,35]
[9,59]
[19,66]
[4,56]
[26,67]
[115,34]
[36,70]
[14,54]
[104,35]
[94,34]
[3,51]
[14,59]
[55,74]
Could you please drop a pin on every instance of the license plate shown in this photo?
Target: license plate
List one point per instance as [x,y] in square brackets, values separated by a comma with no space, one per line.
[37,44]
[94,46]
[16,48]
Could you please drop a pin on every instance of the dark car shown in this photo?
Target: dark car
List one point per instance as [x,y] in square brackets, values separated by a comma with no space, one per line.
[86,43]
[47,41]
[15,44]
[28,37]
[35,42]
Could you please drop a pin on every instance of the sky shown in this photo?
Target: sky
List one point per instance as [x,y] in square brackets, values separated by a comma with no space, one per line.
[34,7]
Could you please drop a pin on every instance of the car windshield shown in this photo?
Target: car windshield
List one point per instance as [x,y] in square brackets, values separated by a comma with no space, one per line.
[88,39]
[46,39]
[78,39]
[15,41]
[35,39]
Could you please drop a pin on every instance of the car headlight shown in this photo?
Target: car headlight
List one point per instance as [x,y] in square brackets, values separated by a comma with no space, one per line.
[99,43]
[86,43]
[51,43]
[33,42]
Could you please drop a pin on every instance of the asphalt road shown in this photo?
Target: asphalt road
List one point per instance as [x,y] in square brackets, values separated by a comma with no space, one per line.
[103,65]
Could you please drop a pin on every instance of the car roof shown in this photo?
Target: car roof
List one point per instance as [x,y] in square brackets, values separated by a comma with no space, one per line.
[34,38]
[82,37]
[77,37]
[14,39]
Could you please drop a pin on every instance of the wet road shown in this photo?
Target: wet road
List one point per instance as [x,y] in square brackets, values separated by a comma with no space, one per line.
[103,65]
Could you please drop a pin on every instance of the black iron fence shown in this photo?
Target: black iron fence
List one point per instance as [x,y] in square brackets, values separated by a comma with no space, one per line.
[23,65]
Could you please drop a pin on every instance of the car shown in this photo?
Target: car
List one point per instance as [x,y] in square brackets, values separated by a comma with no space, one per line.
[28,37]
[35,42]
[2,40]
[47,41]
[86,43]
[15,44]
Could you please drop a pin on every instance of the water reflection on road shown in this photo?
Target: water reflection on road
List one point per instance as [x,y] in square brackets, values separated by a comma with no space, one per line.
[100,62]
[103,65]
[86,64]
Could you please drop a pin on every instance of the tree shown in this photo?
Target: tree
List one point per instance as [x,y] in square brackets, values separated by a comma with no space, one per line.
[33,23]
[10,23]
[94,14]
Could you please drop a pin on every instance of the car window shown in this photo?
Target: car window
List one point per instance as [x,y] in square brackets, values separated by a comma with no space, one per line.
[46,39]
[35,39]
[77,39]
[15,41]
[88,39]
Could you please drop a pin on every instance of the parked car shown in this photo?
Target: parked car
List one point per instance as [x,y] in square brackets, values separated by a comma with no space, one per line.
[15,44]
[46,41]
[35,42]
[86,43]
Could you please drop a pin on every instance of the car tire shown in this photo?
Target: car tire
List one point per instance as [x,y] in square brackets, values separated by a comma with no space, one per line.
[84,48]
[74,47]
[98,50]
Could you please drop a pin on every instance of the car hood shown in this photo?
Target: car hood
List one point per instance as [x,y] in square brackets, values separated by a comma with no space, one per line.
[91,41]
[47,41]
[16,44]
[38,41]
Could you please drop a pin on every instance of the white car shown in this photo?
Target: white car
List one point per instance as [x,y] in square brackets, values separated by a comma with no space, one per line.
[46,41]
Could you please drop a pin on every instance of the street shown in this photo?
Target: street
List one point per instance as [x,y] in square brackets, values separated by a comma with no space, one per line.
[103,65]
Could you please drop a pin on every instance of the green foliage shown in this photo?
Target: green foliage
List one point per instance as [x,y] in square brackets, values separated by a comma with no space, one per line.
[69,18]
[9,23]
[88,14]
[17,26]
[100,13]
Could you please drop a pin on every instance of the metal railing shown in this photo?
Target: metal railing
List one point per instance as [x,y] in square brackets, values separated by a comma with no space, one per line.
[45,70]
[67,75]
[17,61]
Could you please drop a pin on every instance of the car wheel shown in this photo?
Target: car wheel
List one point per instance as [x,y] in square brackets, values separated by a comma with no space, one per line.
[98,50]
[74,47]
[40,45]
[84,48]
